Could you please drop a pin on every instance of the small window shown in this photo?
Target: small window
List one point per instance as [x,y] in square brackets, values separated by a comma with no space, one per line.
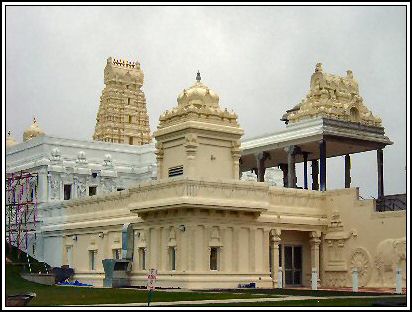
[92,259]
[120,189]
[130,119]
[131,141]
[175,171]
[214,259]
[280,255]
[116,253]
[67,191]
[92,190]
[128,100]
[142,258]
[172,258]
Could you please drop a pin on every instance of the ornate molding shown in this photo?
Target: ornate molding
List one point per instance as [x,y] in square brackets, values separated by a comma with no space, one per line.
[361,260]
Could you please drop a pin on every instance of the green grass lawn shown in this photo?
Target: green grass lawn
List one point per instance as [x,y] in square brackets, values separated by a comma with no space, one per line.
[65,295]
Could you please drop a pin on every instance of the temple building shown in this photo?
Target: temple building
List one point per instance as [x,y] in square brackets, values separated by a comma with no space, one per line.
[122,116]
[56,169]
[201,226]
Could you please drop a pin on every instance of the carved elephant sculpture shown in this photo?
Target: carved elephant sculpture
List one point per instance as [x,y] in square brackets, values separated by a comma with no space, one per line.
[390,254]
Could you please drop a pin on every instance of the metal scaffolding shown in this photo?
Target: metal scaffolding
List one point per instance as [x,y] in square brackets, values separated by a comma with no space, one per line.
[21,210]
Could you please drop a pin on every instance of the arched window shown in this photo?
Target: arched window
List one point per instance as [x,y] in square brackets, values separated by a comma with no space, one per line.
[354,114]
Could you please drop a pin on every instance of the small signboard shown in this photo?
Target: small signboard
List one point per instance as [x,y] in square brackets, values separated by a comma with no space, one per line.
[151,279]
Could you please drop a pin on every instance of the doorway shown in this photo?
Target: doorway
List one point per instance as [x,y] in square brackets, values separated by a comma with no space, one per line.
[293,265]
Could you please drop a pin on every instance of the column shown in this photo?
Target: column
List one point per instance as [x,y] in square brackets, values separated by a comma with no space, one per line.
[260,163]
[274,249]
[305,170]
[315,174]
[190,145]
[347,171]
[322,151]
[236,159]
[291,167]
[284,168]
[42,187]
[314,251]
[380,173]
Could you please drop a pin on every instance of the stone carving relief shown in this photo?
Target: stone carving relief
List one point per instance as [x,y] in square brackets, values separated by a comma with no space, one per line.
[81,158]
[361,260]
[141,238]
[336,279]
[54,187]
[80,184]
[108,185]
[55,155]
[335,240]
[108,161]
[214,240]
[390,255]
[172,238]
[334,97]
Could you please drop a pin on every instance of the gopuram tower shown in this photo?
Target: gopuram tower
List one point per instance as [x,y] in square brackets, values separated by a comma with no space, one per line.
[122,116]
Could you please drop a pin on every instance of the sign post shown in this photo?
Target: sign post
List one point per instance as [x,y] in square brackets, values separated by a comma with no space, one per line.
[151,278]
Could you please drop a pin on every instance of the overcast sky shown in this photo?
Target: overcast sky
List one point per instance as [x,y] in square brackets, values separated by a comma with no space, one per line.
[258,59]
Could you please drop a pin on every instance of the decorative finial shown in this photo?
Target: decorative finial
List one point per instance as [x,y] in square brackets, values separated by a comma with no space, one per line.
[198,78]
[34,119]
[318,67]
[9,133]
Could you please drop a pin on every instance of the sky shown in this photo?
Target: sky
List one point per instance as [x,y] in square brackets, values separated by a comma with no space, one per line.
[258,59]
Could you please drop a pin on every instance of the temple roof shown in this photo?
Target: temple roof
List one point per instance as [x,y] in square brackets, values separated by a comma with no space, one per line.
[10,141]
[32,131]
[198,103]
[334,97]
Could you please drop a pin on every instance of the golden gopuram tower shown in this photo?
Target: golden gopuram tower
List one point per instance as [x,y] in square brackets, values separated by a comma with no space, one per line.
[122,116]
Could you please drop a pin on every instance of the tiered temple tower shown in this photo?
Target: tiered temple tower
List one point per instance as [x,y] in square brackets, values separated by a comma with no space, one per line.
[122,116]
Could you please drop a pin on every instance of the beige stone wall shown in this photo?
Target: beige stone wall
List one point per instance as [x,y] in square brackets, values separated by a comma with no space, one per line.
[374,242]
[236,217]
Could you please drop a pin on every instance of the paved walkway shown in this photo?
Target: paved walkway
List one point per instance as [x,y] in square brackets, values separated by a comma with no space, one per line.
[200,302]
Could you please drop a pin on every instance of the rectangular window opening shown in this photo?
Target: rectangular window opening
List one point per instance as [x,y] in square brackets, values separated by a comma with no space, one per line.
[214,259]
[172,258]
[142,258]
[92,259]
[92,190]
[67,191]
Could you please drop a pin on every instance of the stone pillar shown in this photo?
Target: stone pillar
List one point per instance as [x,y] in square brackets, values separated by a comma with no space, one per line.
[190,145]
[305,170]
[347,171]
[42,187]
[380,172]
[274,249]
[291,167]
[314,251]
[315,174]
[159,158]
[236,159]
[322,151]
[284,168]
[260,164]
